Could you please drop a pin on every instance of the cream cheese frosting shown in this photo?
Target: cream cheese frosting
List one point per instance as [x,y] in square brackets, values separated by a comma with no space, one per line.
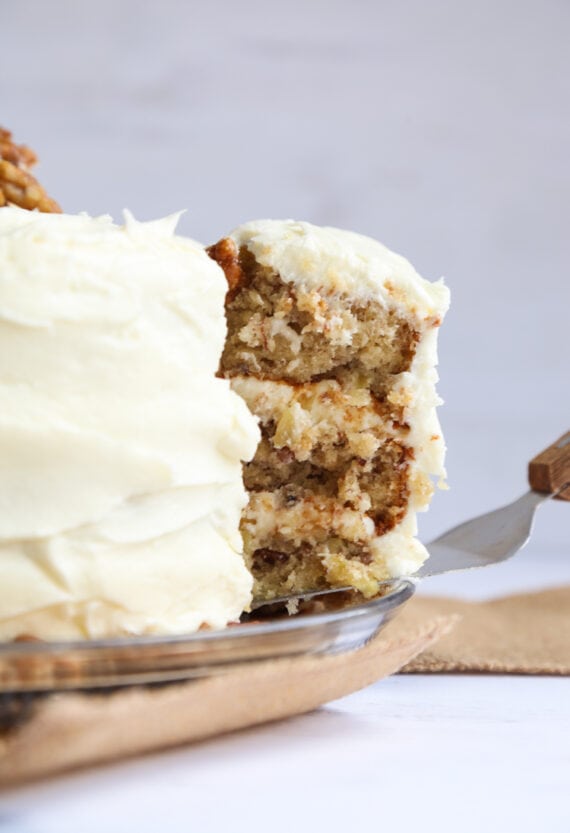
[333,261]
[120,483]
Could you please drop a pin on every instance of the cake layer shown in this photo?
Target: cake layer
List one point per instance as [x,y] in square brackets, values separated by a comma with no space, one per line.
[277,334]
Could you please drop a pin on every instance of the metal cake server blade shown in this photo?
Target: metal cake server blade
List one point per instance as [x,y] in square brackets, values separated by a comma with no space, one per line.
[489,538]
[496,536]
[485,540]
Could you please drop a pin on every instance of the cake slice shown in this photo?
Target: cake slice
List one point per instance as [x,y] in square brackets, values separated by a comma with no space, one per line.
[332,342]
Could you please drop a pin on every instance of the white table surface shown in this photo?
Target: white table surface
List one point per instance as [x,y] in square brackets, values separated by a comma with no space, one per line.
[443,129]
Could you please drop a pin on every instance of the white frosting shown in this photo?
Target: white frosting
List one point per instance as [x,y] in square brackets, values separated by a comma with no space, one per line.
[341,261]
[120,481]
[334,261]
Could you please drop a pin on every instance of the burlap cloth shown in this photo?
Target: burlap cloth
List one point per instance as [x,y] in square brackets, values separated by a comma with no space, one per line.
[525,634]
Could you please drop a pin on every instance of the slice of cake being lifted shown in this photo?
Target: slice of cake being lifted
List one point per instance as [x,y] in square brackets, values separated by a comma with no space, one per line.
[332,342]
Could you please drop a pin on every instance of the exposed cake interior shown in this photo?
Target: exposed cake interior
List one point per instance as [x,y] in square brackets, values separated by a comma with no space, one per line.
[339,369]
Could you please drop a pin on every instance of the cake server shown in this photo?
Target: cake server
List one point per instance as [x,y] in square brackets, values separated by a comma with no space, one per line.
[495,536]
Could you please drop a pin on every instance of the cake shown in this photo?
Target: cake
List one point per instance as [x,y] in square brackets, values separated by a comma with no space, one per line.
[121,484]
[137,493]
[332,342]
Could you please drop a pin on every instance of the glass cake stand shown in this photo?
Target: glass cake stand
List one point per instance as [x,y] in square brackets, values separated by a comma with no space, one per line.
[47,667]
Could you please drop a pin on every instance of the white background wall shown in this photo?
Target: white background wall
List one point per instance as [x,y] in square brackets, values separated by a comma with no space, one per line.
[441,128]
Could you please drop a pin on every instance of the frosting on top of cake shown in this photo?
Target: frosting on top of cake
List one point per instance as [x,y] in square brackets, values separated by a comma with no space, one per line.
[120,484]
[334,260]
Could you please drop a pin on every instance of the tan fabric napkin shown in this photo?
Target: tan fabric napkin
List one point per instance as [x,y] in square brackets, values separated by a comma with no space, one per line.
[524,634]
[521,634]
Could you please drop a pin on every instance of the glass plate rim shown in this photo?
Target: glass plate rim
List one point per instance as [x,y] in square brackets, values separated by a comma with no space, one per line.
[402,589]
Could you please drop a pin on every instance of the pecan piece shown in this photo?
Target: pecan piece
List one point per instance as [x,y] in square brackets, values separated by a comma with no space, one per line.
[17,185]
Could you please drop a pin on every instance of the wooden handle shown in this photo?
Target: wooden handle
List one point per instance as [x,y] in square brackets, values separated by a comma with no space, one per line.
[550,469]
